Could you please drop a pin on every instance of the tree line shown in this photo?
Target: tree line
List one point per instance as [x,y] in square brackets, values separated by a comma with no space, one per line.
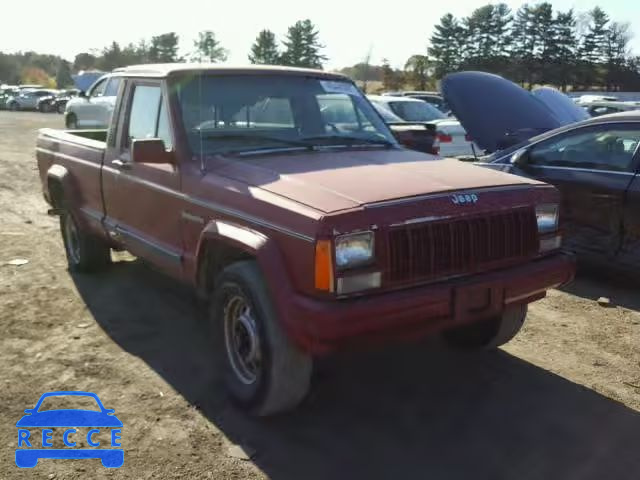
[533,45]
[301,47]
[537,45]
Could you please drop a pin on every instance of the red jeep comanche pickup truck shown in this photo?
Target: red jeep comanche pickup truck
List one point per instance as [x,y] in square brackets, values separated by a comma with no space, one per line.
[305,234]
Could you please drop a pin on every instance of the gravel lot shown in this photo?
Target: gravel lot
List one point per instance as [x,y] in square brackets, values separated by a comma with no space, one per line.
[560,401]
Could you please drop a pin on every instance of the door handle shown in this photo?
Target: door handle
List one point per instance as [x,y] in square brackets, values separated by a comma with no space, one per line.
[122,165]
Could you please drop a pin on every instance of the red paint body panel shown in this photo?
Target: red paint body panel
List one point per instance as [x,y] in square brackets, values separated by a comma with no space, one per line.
[275,206]
[415,312]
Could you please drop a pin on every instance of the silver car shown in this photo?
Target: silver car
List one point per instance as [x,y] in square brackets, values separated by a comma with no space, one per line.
[27,99]
[93,109]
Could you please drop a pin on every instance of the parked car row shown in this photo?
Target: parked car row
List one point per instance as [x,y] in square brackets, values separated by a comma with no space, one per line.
[35,98]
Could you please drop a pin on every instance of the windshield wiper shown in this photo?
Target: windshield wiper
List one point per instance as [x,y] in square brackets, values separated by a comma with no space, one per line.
[244,136]
[350,140]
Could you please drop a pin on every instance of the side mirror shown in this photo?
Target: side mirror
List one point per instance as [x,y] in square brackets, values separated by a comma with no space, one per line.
[520,158]
[82,94]
[150,150]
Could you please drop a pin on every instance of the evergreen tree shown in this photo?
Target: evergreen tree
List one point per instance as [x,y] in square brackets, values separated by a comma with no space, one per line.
[63,75]
[265,49]
[164,48]
[208,48]
[302,46]
[543,26]
[446,45]
[562,53]
[523,44]
[111,58]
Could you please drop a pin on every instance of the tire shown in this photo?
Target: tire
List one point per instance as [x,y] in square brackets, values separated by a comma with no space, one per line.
[14,107]
[61,108]
[71,122]
[244,319]
[85,253]
[488,334]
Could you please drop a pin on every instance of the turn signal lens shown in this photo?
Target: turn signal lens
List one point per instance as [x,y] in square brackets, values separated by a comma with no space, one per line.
[324,266]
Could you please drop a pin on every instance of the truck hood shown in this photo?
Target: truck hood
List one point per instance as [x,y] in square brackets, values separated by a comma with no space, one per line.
[329,181]
[497,113]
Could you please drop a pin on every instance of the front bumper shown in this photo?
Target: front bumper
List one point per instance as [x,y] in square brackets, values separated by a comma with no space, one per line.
[319,326]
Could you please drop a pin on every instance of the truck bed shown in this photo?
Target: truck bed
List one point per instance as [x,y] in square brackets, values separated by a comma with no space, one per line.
[78,156]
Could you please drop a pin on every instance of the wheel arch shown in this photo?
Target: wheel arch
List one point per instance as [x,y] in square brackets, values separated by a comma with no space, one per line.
[222,243]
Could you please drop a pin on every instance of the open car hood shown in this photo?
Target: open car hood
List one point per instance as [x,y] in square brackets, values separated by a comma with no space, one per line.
[497,113]
[563,107]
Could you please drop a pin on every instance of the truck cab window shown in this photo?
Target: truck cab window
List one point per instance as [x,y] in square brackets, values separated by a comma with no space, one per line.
[148,117]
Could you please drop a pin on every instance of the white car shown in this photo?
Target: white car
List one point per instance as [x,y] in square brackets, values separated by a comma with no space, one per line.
[94,108]
[453,139]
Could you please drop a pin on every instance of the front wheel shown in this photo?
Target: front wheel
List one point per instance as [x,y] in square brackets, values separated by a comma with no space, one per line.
[488,334]
[264,371]
[85,253]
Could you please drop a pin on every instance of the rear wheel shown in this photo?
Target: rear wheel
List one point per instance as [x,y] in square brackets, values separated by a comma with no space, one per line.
[60,108]
[490,333]
[13,106]
[85,253]
[264,371]
[72,122]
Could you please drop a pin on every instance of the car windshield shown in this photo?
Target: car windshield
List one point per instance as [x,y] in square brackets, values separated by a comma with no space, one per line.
[67,402]
[242,113]
[416,111]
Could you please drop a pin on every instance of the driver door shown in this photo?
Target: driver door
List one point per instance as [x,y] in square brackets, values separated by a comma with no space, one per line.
[88,112]
[143,200]
[592,167]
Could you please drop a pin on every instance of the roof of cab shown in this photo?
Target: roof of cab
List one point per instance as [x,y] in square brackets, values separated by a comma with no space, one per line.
[167,69]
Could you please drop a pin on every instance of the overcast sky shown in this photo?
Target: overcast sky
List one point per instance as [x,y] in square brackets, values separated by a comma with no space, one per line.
[347,28]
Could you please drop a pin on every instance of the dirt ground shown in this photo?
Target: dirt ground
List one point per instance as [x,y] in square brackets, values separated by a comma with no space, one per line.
[560,401]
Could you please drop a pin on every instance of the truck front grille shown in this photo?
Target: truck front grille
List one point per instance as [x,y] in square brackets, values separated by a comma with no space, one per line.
[459,246]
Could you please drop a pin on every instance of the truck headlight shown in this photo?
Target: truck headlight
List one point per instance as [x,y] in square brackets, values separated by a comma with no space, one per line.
[354,249]
[547,217]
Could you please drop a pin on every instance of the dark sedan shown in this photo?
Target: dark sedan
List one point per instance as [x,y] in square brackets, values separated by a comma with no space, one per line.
[594,162]
[595,165]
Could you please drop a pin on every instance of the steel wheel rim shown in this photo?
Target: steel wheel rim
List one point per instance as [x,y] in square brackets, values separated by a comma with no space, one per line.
[73,242]
[242,341]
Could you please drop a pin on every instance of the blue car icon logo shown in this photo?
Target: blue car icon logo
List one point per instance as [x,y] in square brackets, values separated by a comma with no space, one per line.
[28,452]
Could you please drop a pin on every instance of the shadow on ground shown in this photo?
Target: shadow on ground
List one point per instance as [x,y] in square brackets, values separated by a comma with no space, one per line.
[406,412]
[596,280]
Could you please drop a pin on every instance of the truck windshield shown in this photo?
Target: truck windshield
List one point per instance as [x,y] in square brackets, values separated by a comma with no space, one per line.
[242,113]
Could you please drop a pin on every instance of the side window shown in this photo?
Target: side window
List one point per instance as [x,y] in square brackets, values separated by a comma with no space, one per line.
[98,90]
[595,148]
[148,117]
[112,87]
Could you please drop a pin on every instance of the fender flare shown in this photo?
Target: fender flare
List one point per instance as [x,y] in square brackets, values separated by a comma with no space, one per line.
[266,253]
